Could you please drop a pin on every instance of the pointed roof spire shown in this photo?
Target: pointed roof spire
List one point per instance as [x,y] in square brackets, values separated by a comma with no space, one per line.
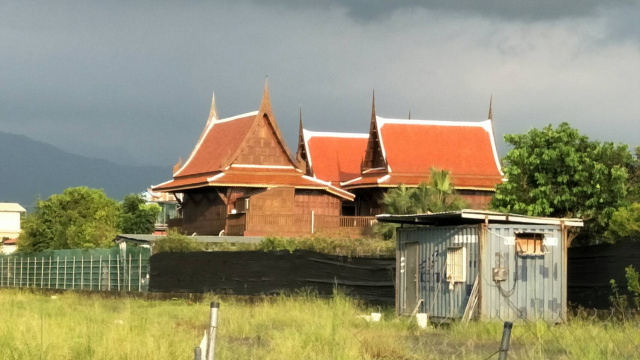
[409,114]
[300,119]
[301,153]
[373,104]
[266,103]
[213,113]
[490,110]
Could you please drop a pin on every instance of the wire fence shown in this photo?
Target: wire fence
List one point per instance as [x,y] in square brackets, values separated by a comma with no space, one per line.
[113,269]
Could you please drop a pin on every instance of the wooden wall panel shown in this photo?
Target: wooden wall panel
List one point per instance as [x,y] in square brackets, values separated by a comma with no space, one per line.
[203,212]
[478,200]
[276,201]
[319,202]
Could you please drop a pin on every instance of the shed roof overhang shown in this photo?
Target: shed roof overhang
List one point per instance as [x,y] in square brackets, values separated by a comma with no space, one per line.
[468,217]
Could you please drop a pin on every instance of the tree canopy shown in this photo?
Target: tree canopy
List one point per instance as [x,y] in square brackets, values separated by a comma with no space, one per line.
[81,217]
[78,218]
[136,216]
[559,172]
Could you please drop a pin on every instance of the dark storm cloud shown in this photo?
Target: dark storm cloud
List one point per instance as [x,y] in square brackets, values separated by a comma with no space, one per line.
[136,78]
[539,10]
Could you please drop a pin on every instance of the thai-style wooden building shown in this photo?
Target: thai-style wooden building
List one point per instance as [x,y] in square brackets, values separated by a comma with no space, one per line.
[402,151]
[241,179]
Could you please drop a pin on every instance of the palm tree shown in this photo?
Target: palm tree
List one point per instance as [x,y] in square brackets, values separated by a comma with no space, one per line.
[437,195]
[440,194]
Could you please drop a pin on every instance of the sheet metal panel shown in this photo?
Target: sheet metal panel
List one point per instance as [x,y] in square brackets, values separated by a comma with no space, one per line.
[439,298]
[534,285]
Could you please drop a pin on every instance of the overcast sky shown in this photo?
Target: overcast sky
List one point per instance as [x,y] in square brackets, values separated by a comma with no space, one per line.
[132,81]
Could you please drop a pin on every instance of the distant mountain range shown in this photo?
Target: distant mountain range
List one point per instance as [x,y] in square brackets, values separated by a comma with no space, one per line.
[30,168]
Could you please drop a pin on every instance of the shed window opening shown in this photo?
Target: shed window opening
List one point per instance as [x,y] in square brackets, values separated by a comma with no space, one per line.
[456,264]
[530,244]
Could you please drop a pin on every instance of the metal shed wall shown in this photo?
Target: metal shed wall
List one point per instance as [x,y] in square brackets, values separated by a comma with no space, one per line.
[431,278]
[536,285]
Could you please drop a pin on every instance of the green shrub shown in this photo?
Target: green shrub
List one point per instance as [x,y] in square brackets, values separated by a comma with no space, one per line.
[175,242]
[328,245]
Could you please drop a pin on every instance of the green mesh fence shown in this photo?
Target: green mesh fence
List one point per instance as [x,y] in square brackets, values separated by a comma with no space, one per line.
[112,269]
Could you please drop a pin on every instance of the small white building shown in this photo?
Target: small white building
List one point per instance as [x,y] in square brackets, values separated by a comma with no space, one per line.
[10,214]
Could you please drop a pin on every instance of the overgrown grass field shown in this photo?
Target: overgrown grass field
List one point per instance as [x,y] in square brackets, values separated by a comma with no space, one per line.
[82,326]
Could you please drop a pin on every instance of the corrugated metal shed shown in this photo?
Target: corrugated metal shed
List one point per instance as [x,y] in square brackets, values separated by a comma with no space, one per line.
[520,264]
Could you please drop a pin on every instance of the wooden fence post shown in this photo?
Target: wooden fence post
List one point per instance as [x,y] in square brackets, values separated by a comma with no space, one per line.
[49,285]
[213,327]
[57,269]
[21,259]
[109,274]
[42,273]
[91,273]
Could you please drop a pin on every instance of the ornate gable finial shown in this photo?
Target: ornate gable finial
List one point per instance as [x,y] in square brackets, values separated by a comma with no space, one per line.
[266,102]
[177,166]
[301,156]
[213,113]
[373,105]
[490,106]
[409,114]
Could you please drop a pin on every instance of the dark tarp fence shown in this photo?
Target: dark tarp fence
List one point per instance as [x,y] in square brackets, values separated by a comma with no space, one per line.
[591,268]
[258,272]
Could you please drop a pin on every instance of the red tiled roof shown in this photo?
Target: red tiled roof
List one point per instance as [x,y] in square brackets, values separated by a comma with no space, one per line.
[335,157]
[182,183]
[414,146]
[10,242]
[256,177]
[221,138]
[460,182]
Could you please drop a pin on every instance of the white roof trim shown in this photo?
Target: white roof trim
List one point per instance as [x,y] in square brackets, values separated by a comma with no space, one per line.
[206,133]
[215,177]
[306,136]
[250,113]
[350,181]
[384,178]
[253,166]
[336,134]
[487,125]
[493,146]
[164,183]
[373,169]
[384,151]
[326,183]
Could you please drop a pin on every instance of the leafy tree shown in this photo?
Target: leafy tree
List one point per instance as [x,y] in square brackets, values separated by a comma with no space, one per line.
[78,218]
[561,173]
[136,216]
[437,195]
[625,223]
